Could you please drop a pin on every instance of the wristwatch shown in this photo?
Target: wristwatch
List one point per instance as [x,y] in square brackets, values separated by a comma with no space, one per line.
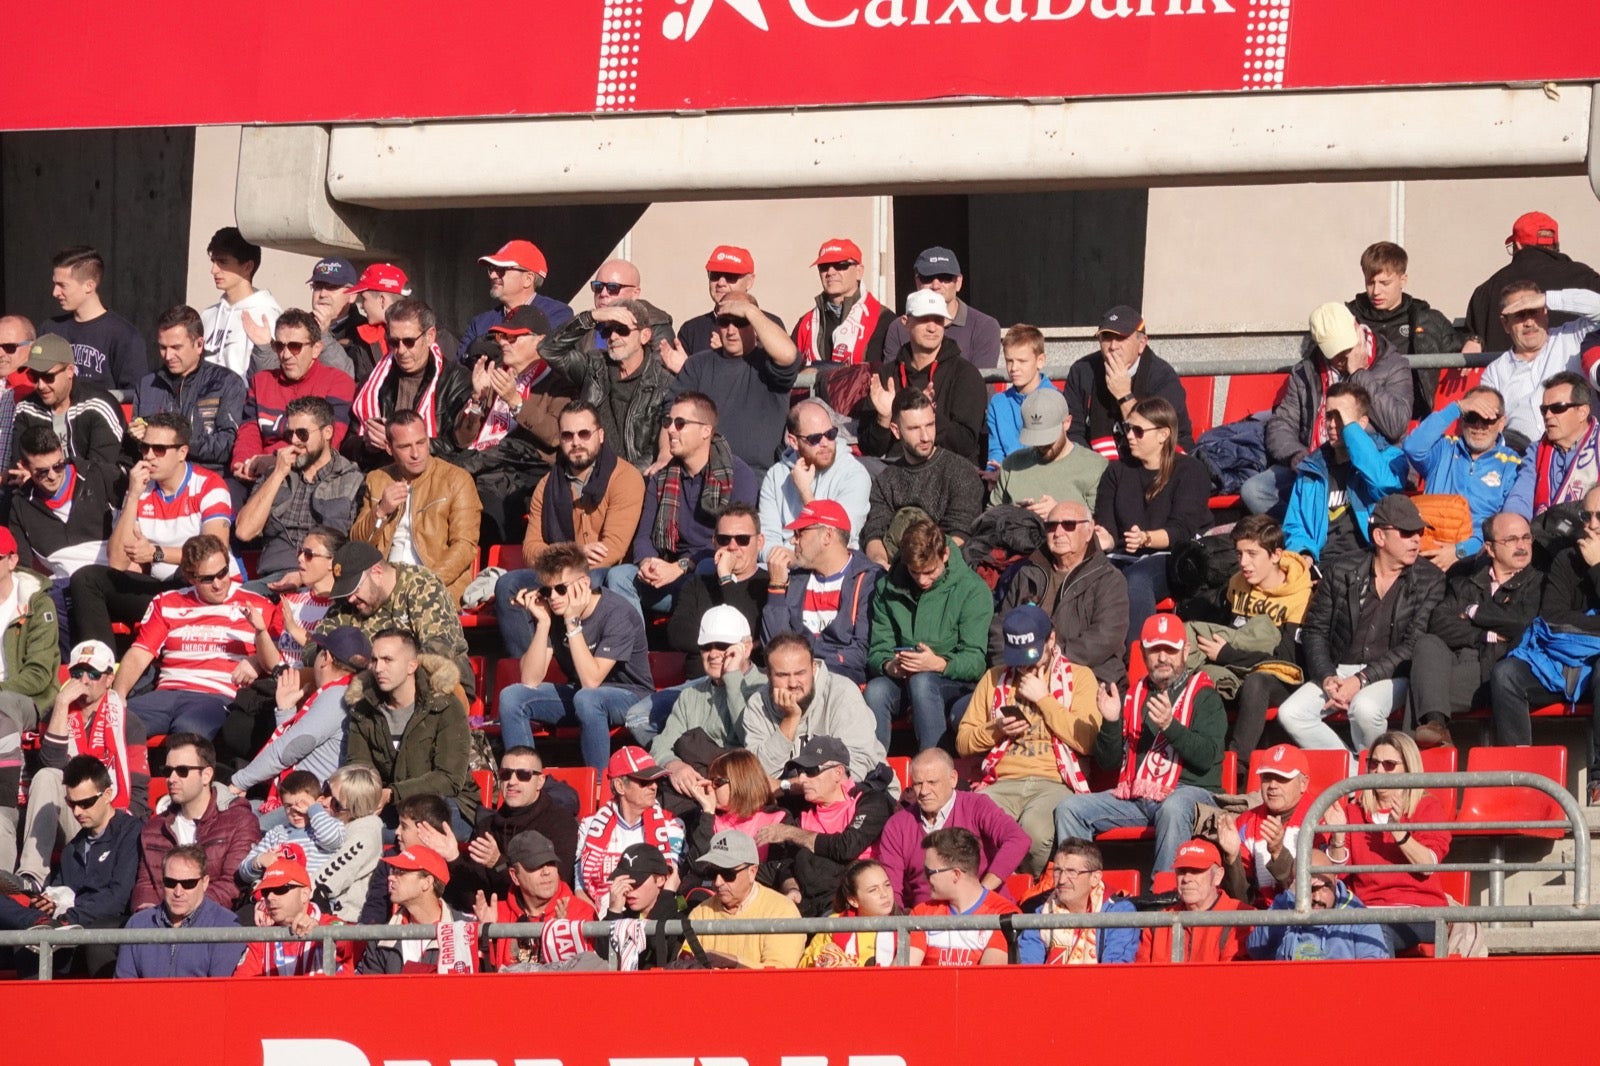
[160,555]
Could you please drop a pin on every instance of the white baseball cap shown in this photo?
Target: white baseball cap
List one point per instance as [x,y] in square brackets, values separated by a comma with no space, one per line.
[723,624]
[925,303]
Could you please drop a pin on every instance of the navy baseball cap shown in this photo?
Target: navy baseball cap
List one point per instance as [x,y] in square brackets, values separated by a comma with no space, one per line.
[1026,629]
[936,260]
[335,270]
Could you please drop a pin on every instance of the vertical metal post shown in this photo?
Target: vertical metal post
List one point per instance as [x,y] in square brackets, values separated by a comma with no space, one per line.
[1497,878]
[1178,930]
[1441,939]
[330,955]
[47,958]
[902,947]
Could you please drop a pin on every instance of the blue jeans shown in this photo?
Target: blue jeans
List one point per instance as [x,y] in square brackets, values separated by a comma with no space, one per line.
[516,624]
[1268,491]
[937,703]
[1147,586]
[623,579]
[648,717]
[177,711]
[595,710]
[1085,814]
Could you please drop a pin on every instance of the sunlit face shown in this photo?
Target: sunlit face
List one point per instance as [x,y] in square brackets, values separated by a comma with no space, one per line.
[1481,435]
[823,784]
[180,352]
[917,429]
[286,904]
[519,352]
[47,471]
[309,441]
[1401,546]
[514,791]
[722,284]
[89,803]
[873,895]
[408,444]
[212,582]
[946,285]
[840,279]
[738,535]
[643,895]
[557,590]
[732,886]
[71,292]
[624,277]
[625,339]
[368,595]
[718,659]
[297,350]
[1385,288]
[1529,328]
[393,662]
[1023,364]
[410,344]
[1255,562]
[328,302]
[1281,794]
[1067,532]
[512,286]
[407,833]
[1146,439]
[183,886]
[811,546]
[1075,881]
[810,439]
[53,386]
[927,332]
[1386,759]
[1565,418]
[1123,349]
[16,336]
[1511,543]
[688,433]
[160,448]
[1344,411]
[932,785]
[1162,662]
[187,777]
[790,670]
[637,792]
[737,335]
[1324,894]
[581,438]
[1198,888]
[374,305]
[409,886]
[542,883]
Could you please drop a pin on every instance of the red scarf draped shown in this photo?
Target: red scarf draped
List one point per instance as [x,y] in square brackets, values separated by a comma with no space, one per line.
[366,404]
[597,858]
[849,338]
[1066,759]
[1156,775]
[107,740]
[274,801]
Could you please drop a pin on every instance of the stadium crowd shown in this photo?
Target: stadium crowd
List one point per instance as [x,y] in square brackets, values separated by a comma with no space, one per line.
[241,584]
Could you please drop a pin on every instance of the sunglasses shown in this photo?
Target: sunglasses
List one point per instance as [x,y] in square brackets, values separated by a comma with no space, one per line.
[1065,525]
[85,803]
[837,268]
[731,320]
[292,347]
[185,883]
[305,555]
[1589,516]
[182,772]
[729,875]
[814,439]
[1478,420]
[613,329]
[670,422]
[947,279]
[610,288]
[1559,408]
[404,342]
[1401,532]
[157,450]
[717,647]
[929,871]
[723,275]
[281,890]
[10,347]
[719,782]
[1137,432]
[298,433]
[46,471]
[558,589]
[81,672]
[1387,766]
[583,435]
[45,376]
[507,773]
[210,579]
[741,539]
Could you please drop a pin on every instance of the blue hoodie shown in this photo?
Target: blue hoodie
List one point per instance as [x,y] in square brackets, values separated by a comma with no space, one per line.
[1289,942]
[1004,419]
[1374,474]
[1446,466]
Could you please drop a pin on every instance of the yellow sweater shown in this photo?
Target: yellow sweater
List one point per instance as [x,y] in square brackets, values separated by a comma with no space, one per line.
[1032,755]
[769,951]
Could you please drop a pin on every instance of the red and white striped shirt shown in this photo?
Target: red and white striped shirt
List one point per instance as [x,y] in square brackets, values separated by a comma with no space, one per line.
[197,643]
[201,498]
[307,609]
[821,604]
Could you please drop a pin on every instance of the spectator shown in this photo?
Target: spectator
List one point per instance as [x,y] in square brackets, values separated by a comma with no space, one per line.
[1165,742]
[283,899]
[414,376]
[589,498]
[633,815]
[300,373]
[595,639]
[516,272]
[1344,350]
[929,619]
[943,485]
[196,814]
[1537,351]
[1562,464]
[1337,486]
[802,699]
[86,719]
[936,802]
[1199,870]
[309,486]
[1150,503]
[308,832]
[1024,365]
[737,580]
[188,900]
[748,376]
[1103,389]
[30,643]
[736,793]
[1258,847]
[1294,943]
[107,349]
[847,325]
[731,860]
[1488,602]
[1393,753]
[864,892]
[840,821]
[959,395]
[86,416]
[1360,629]
[714,704]
[407,723]
[509,429]
[812,467]
[822,588]
[1267,596]
[730,273]
[1080,889]
[1030,719]
[1475,465]
[526,807]
[16,337]
[1046,467]
[417,880]
[244,317]
[421,510]
[1077,585]
[374,595]
[210,396]
[1411,326]
[169,502]
[950,864]
[333,304]
[1535,250]
[423,817]
[682,502]
[380,287]
[537,892]
[639,890]
[977,335]
[355,795]
[628,386]
[305,594]
[616,282]
[61,516]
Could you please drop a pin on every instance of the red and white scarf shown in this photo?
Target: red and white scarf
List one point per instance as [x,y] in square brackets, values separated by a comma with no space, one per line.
[1156,775]
[273,800]
[366,403]
[849,338]
[107,740]
[500,421]
[597,856]
[1061,688]
[1253,848]
[1583,472]
[1073,947]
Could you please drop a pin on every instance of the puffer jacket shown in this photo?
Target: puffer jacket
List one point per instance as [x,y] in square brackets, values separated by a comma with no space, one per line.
[950,618]
[571,353]
[1374,473]
[227,830]
[1387,380]
[1090,611]
[1330,621]
[433,753]
[1506,611]
[445,517]
[32,644]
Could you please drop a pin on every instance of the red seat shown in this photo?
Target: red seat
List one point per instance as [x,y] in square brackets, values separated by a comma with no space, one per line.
[1121,882]
[1126,833]
[1327,766]
[1019,886]
[484,779]
[480,684]
[1230,772]
[1512,804]
[505,556]
[1165,881]
[1136,667]
[1454,383]
[1249,393]
[158,788]
[584,781]
[667,668]
[1197,393]
[901,765]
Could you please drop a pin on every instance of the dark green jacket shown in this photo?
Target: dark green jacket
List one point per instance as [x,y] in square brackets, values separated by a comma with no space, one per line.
[952,618]
[1198,745]
[32,644]
[433,752]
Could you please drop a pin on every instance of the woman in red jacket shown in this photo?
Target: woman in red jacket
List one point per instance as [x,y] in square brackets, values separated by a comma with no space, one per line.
[1393,753]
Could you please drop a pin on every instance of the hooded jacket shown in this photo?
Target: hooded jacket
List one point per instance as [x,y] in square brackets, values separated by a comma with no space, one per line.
[1330,619]
[227,830]
[32,644]
[1292,942]
[950,618]
[1090,610]
[1387,380]
[1374,473]
[842,644]
[960,403]
[1284,605]
[436,743]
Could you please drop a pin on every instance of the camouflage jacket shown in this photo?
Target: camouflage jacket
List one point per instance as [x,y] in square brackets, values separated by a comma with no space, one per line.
[422,604]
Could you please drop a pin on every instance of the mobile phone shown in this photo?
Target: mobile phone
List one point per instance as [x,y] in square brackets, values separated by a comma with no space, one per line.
[905,647]
[1011,710]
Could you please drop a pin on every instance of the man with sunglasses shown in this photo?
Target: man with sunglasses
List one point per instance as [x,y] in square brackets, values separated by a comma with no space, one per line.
[976,335]
[516,273]
[616,283]
[731,863]
[950,860]
[633,815]
[529,803]
[413,376]
[61,516]
[16,337]
[713,704]
[848,325]
[86,417]
[264,430]
[1563,464]
[1538,352]
[1047,467]
[815,465]
[283,899]
[927,362]
[187,901]
[627,381]
[209,395]
[730,272]
[749,375]
[824,589]
[198,814]
[736,579]
[1475,464]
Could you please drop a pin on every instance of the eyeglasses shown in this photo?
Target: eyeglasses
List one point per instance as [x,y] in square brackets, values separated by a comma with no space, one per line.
[182,772]
[613,329]
[10,347]
[292,347]
[741,539]
[569,435]
[1589,516]
[297,433]
[305,555]
[185,883]
[723,275]
[280,890]
[678,422]
[211,579]
[496,269]
[719,782]
[1136,432]
[1406,533]
[837,268]
[929,871]
[508,772]
[717,647]
[1387,766]
[84,672]
[943,279]
[729,875]
[1559,408]
[730,320]
[560,588]
[1478,421]
[45,376]
[818,771]
[610,288]
[1067,871]
[46,471]
[87,802]
[157,450]
[404,342]
[814,439]
[1065,525]
[1527,538]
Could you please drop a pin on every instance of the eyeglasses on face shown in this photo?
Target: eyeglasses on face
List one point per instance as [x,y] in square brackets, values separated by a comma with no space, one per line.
[85,672]
[1559,408]
[188,884]
[741,539]
[814,439]
[560,588]
[157,450]
[723,321]
[943,279]
[1477,421]
[292,347]
[1524,315]
[613,329]
[47,471]
[729,875]
[719,782]
[581,435]
[716,647]
[929,871]
[397,341]
[10,347]
[1386,766]
[211,579]
[1065,525]
[723,276]
[677,422]
[305,555]
[1071,873]
[1136,431]
[280,890]
[610,288]
[1405,533]
[835,268]
[299,434]
[523,775]
[1589,516]
[87,802]
[182,772]
[45,376]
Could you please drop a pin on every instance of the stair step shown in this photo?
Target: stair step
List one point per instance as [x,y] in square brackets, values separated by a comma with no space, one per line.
[1547,938]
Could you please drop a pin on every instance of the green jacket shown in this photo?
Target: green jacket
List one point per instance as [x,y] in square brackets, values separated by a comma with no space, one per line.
[952,618]
[435,746]
[32,644]
[718,710]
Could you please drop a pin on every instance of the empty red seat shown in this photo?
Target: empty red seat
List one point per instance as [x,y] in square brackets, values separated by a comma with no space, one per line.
[505,556]
[1019,886]
[484,779]
[1197,393]
[584,781]
[667,668]
[1121,882]
[1250,393]
[901,765]
[1510,803]
[158,788]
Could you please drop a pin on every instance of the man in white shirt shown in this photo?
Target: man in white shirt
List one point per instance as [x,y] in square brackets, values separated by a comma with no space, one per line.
[1538,352]
[243,310]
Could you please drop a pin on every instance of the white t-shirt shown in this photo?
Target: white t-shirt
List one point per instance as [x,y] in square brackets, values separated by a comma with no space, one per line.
[183,829]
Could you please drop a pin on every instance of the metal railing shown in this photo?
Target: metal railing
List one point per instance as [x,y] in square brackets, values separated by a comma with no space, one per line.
[1176,922]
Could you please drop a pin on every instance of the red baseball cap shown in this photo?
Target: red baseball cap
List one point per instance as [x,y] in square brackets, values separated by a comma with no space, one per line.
[281,873]
[1535,227]
[1163,630]
[837,250]
[1285,761]
[421,858]
[8,543]
[524,255]
[727,259]
[828,513]
[633,761]
[381,277]
[1197,854]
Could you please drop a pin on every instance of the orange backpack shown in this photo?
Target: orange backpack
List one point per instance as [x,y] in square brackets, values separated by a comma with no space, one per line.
[1446,519]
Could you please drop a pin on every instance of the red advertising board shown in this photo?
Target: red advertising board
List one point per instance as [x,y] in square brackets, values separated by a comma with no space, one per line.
[185,62]
[1419,1012]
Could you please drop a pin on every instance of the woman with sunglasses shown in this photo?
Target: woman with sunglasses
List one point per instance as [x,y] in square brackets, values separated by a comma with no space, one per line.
[309,599]
[1392,753]
[1148,504]
[736,793]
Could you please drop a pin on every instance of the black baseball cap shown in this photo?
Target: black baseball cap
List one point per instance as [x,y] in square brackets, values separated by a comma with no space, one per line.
[349,563]
[639,861]
[1121,320]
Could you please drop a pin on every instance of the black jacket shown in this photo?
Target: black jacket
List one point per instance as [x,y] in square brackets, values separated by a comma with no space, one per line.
[1548,267]
[960,403]
[1571,591]
[1096,413]
[818,871]
[547,815]
[101,873]
[1090,611]
[455,389]
[1413,327]
[1330,620]
[212,399]
[1507,611]
[39,533]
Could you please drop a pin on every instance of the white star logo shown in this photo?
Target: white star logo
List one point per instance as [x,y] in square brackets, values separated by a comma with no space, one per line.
[674,26]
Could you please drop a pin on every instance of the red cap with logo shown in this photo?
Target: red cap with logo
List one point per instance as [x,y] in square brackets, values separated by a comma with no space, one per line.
[633,761]
[381,277]
[727,259]
[421,858]
[837,250]
[281,873]
[1285,761]
[1197,854]
[1163,630]
[828,513]
[523,255]
[1535,227]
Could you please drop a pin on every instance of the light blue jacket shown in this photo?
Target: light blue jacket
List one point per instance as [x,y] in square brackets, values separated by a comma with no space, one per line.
[1374,474]
[1484,481]
[1290,942]
[1004,419]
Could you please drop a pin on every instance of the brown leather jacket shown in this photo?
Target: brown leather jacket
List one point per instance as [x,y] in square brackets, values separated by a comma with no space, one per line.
[445,512]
